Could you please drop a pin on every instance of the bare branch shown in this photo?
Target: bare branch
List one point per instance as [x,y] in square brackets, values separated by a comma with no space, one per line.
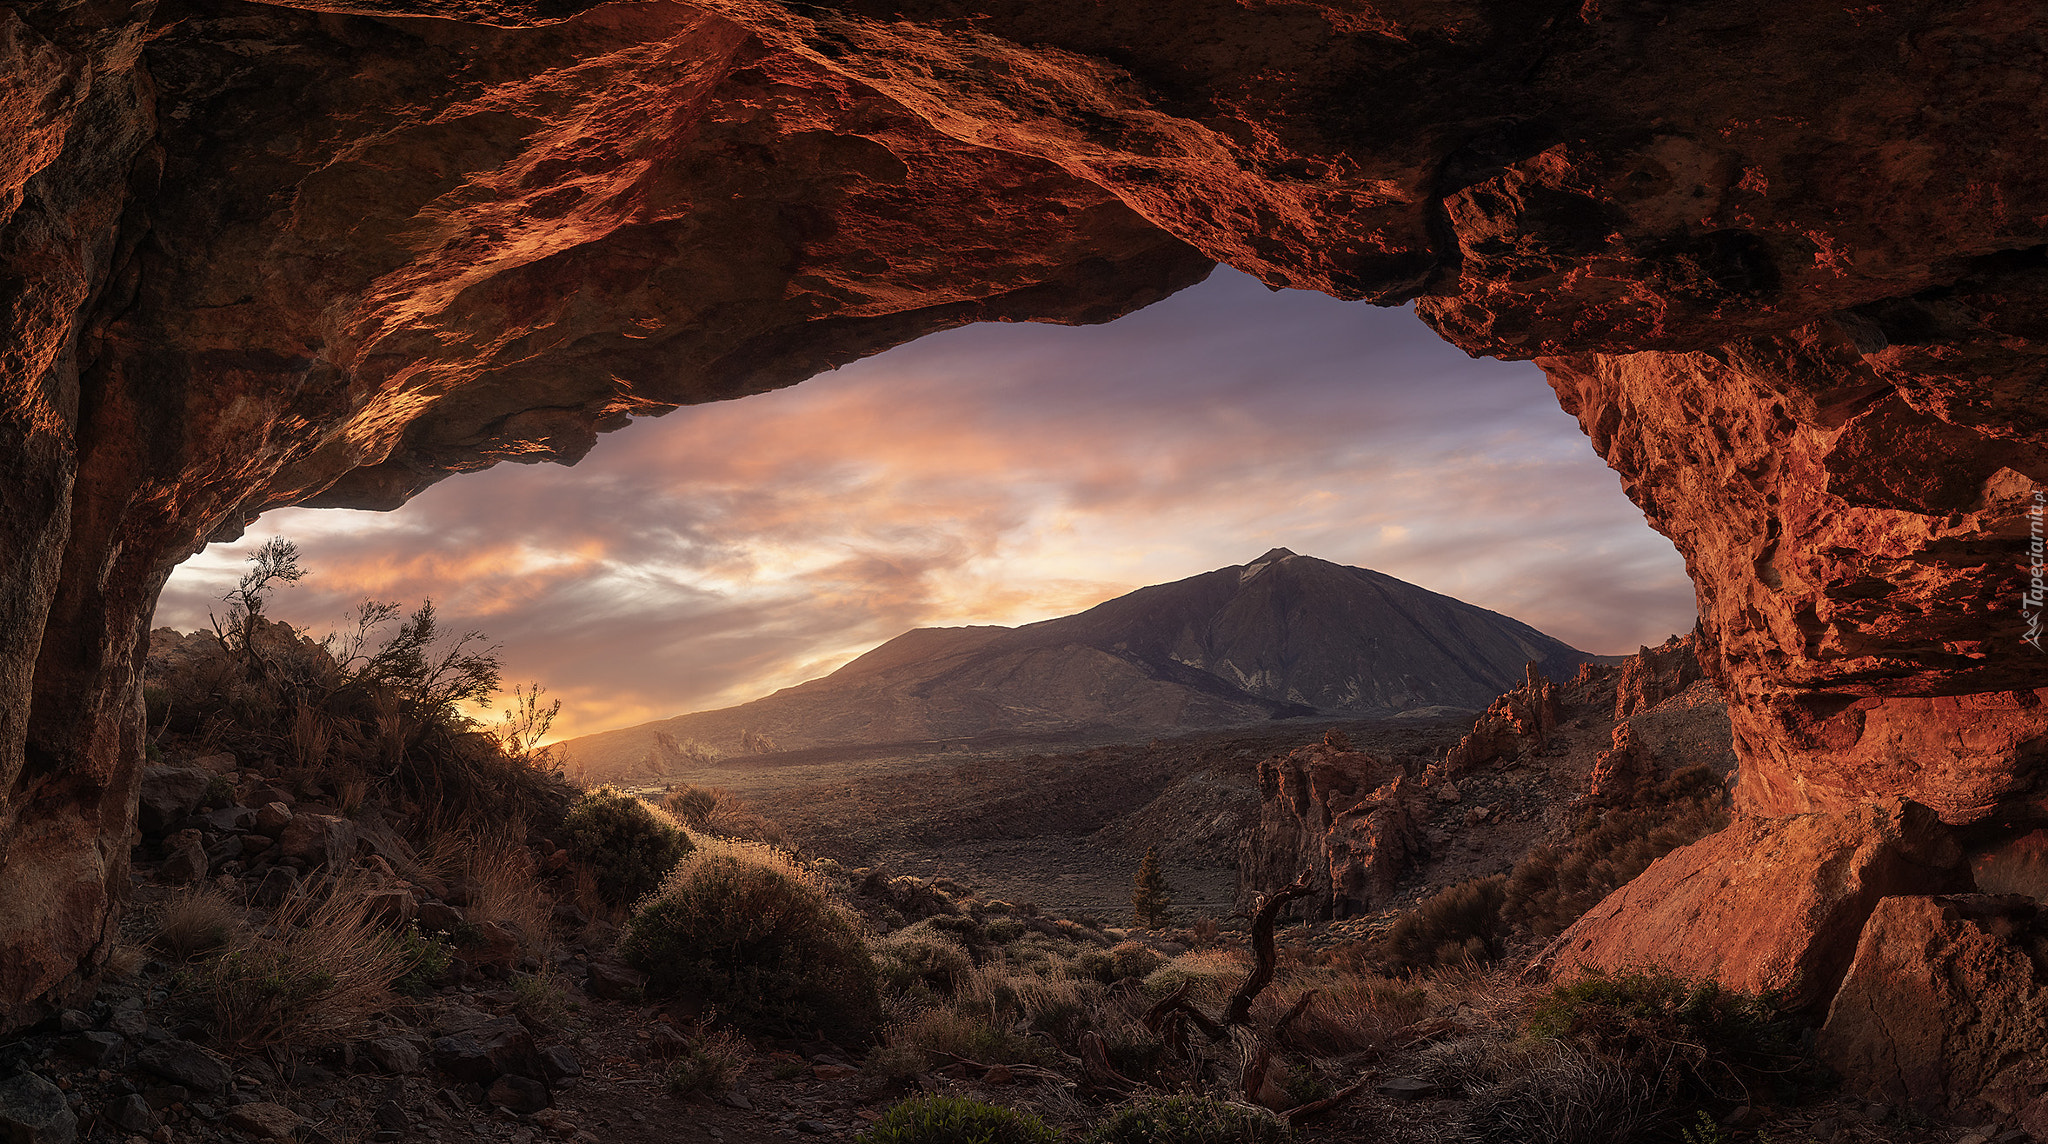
[1239,1011]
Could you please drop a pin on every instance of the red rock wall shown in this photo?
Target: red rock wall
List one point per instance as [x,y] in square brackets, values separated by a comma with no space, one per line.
[1783,263]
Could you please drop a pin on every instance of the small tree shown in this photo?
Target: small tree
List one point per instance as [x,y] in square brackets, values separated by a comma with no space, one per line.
[1151,897]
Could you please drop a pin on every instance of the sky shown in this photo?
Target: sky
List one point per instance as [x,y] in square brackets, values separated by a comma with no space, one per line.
[997,474]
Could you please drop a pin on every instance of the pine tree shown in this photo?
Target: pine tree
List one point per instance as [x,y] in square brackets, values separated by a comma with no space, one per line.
[1151,897]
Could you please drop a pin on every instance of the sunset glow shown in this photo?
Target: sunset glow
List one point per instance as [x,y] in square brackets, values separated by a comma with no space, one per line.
[999,474]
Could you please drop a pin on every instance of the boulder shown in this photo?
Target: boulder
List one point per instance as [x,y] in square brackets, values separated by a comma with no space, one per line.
[1766,904]
[319,840]
[227,819]
[263,1120]
[34,1111]
[184,858]
[184,1063]
[560,1062]
[1942,1009]
[614,980]
[439,917]
[394,1055]
[490,943]
[133,1114]
[393,907]
[169,794]
[519,1094]
[98,1049]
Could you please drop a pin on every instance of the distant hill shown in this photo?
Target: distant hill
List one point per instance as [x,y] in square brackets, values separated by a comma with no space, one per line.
[1284,635]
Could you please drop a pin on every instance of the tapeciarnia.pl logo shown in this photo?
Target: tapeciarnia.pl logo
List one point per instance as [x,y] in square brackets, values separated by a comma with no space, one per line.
[2037,567]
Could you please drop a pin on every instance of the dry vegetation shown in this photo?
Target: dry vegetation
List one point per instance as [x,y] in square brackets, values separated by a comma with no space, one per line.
[758,967]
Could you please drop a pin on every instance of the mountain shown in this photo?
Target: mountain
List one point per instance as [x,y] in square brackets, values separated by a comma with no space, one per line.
[1283,635]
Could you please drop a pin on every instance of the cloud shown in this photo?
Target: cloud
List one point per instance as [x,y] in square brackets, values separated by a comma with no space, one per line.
[1001,474]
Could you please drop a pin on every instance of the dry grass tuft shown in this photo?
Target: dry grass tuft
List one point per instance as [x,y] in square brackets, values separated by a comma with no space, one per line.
[197,923]
[507,889]
[315,975]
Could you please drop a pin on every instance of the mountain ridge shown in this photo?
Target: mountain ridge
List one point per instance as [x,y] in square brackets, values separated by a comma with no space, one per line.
[1283,635]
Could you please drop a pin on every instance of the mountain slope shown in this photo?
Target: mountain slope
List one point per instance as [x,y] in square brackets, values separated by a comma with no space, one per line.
[1283,635]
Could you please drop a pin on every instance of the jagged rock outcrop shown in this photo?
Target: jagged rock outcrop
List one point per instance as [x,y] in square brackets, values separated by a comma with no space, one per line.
[1653,675]
[1345,819]
[1786,900]
[1944,1008]
[1520,720]
[1785,266]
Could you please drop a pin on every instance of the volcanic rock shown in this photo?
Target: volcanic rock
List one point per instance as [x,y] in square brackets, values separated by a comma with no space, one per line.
[184,1063]
[1944,1009]
[34,1111]
[1345,819]
[1282,635]
[1786,268]
[319,840]
[185,858]
[1520,720]
[168,795]
[263,1120]
[1767,904]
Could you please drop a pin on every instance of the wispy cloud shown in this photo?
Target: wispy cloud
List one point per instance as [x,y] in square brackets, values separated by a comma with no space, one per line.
[1001,474]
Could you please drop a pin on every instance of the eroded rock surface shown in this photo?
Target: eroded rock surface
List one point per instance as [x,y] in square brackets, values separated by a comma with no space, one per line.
[1944,1009]
[1767,905]
[1784,265]
[1348,821]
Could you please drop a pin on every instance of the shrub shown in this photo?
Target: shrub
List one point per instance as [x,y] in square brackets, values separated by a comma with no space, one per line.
[628,845]
[427,959]
[711,1066]
[1690,1038]
[196,923]
[539,1001]
[954,1120]
[909,959]
[938,1037]
[1189,1120]
[1459,924]
[1129,959]
[1553,885]
[742,924]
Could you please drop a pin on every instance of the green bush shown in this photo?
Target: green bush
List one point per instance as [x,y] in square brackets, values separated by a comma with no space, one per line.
[1190,1120]
[628,846]
[1461,923]
[1692,1039]
[428,959]
[954,1120]
[766,947]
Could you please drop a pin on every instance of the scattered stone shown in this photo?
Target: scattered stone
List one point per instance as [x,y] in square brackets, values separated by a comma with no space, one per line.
[265,795]
[131,1023]
[1448,792]
[185,858]
[393,906]
[96,1049]
[816,1127]
[440,917]
[264,1120]
[390,1115]
[222,763]
[185,1063]
[169,794]
[166,1096]
[1407,1088]
[615,980]
[393,1055]
[319,840]
[34,1111]
[665,1043]
[73,1021]
[133,1114]
[277,885]
[560,1062]
[490,943]
[519,1094]
[229,819]
[462,1058]
[271,818]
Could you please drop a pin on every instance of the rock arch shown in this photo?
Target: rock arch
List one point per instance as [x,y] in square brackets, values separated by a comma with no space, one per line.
[1785,266]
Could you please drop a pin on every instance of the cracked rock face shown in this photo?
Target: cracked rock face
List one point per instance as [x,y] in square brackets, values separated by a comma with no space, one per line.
[1784,265]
